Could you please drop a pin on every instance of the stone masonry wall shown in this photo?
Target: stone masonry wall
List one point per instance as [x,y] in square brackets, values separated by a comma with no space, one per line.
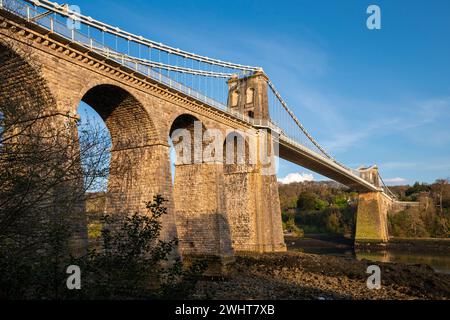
[371,217]
[240,190]
[202,221]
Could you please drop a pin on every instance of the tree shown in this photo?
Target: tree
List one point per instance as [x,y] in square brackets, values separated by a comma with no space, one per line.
[132,263]
[414,191]
[42,186]
[439,189]
[333,222]
[46,170]
[340,201]
[308,201]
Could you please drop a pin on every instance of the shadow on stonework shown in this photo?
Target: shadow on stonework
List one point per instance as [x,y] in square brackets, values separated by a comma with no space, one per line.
[207,237]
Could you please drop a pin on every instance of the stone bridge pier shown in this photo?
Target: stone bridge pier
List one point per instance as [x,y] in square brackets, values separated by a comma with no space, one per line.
[373,207]
[229,203]
[199,195]
[252,201]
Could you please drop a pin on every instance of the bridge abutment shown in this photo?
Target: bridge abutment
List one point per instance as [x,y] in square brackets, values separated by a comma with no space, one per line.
[371,218]
[373,207]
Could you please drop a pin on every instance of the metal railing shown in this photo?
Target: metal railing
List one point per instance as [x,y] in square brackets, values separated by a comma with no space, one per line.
[56,26]
[65,11]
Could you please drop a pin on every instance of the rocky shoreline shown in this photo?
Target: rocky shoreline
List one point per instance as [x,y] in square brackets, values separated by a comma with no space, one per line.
[420,244]
[296,275]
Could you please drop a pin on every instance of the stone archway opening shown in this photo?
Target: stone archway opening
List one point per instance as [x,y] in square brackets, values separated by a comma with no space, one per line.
[117,146]
[95,149]
[239,152]
[186,140]
[125,117]
[200,211]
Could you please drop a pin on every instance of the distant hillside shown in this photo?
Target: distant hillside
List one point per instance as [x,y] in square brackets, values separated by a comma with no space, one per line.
[329,207]
[318,207]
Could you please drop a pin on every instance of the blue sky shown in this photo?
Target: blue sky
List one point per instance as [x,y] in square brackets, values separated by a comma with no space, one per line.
[369,96]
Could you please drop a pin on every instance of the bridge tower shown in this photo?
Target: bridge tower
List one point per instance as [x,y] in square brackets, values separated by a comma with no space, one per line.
[248,96]
[251,190]
[371,217]
[370,174]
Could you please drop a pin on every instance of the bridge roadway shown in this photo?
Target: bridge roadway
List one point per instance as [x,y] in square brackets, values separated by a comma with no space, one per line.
[296,153]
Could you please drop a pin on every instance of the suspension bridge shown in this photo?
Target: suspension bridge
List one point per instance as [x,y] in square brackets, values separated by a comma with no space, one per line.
[233,94]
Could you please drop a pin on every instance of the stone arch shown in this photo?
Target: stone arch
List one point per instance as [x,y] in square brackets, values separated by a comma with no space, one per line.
[130,125]
[186,133]
[249,95]
[22,85]
[184,120]
[135,145]
[234,98]
[140,163]
[238,151]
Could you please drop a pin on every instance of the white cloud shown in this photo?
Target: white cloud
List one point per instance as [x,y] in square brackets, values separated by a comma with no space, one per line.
[296,177]
[397,180]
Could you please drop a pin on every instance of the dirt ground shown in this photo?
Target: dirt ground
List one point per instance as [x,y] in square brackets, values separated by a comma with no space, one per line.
[295,275]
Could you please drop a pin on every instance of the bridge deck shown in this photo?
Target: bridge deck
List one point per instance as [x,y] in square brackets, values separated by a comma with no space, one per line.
[298,154]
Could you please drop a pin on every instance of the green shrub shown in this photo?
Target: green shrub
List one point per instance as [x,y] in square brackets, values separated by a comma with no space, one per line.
[291,227]
[131,263]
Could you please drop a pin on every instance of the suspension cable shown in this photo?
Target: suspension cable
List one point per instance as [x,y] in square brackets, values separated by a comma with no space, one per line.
[302,128]
[123,57]
[386,187]
[65,11]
